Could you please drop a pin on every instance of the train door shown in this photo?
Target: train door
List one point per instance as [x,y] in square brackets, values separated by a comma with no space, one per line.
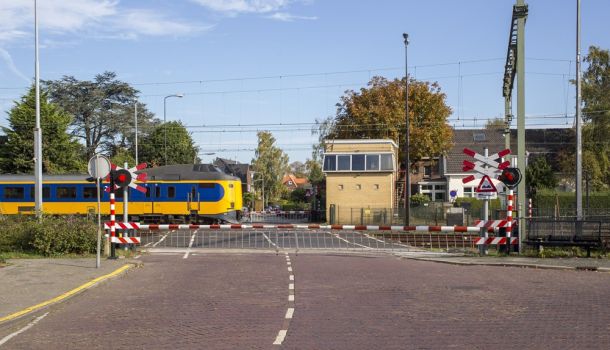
[148,199]
[193,201]
[156,200]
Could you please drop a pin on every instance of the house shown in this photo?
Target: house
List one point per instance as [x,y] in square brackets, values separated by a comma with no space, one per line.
[292,182]
[237,169]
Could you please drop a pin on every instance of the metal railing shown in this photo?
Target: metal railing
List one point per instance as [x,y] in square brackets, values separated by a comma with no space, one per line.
[429,214]
[302,240]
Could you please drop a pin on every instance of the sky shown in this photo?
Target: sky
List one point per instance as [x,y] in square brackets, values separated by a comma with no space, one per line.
[280,65]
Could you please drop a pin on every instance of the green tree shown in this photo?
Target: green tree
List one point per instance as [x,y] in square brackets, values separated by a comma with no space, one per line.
[270,164]
[539,175]
[60,152]
[298,169]
[596,122]
[378,112]
[596,117]
[495,124]
[181,148]
[102,110]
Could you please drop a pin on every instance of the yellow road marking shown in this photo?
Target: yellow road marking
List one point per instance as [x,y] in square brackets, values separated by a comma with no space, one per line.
[66,294]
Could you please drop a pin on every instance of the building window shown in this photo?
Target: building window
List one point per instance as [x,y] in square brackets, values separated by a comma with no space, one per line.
[330,163]
[436,192]
[376,187]
[340,187]
[358,186]
[427,170]
[386,162]
[439,196]
[468,192]
[358,162]
[372,162]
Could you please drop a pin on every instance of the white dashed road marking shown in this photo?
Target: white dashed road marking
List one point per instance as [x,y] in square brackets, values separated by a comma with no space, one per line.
[269,240]
[290,311]
[162,239]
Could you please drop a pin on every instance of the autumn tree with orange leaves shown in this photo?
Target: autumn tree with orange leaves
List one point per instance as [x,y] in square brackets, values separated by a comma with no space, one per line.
[378,112]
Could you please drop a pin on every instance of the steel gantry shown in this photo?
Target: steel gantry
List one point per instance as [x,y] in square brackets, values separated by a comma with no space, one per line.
[515,65]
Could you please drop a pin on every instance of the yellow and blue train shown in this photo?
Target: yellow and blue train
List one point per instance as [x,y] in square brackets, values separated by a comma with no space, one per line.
[198,193]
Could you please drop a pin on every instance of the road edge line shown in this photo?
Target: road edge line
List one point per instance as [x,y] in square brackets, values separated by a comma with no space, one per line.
[66,294]
[507,264]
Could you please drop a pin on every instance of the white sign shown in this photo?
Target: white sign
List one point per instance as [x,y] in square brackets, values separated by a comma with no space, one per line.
[487,195]
[486,185]
[99,166]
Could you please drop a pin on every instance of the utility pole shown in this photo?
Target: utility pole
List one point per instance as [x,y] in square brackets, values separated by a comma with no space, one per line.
[521,119]
[37,129]
[406,152]
[578,120]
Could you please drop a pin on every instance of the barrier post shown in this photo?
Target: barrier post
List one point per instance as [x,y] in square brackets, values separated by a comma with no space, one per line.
[509,219]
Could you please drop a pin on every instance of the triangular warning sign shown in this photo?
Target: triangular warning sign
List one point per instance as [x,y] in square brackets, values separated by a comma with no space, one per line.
[486,185]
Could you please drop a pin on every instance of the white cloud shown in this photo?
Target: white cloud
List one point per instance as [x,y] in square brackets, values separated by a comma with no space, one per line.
[92,18]
[244,6]
[11,65]
[287,17]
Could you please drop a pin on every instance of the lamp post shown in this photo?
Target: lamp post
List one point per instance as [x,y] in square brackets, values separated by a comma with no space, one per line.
[135,118]
[165,123]
[406,152]
[37,129]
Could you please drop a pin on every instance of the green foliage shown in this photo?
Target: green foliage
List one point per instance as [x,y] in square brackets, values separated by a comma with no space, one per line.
[549,198]
[123,155]
[181,148]
[377,112]
[102,110]
[248,199]
[61,153]
[476,206]
[419,198]
[298,195]
[314,171]
[49,236]
[298,169]
[539,175]
[596,117]
[270,164]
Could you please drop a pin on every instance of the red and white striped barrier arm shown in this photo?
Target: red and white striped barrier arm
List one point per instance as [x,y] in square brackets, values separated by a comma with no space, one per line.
[125,240]
[153,227]
[496,241]
[509,213]
[112,217]
[123,225]
[491,225]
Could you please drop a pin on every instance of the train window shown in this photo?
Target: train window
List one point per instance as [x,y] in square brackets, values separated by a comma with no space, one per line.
[46,192]
[230,185]
[171,192]
[148,191]
[206,185]
[14,192]
[157,191]
[193,193]
[89,192]
[118,193]
[66,192]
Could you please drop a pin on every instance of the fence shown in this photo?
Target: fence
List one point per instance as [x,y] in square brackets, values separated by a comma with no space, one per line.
[429,214]
[306,239]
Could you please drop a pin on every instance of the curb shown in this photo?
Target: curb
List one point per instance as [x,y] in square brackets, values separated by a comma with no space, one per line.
[508,264]
[68,294]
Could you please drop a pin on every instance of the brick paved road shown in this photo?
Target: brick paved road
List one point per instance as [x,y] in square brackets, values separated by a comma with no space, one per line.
[341,302]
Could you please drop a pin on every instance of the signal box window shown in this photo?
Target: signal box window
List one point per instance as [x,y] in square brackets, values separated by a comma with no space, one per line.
[358,162]
[343,163]
[89,192]
[171,192]
[386,162]
[330,163]
[14,192]
[372,162]
[66,192]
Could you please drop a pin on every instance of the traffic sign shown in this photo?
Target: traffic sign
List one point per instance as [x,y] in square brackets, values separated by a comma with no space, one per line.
[491,159]
[99,167]
[486,185]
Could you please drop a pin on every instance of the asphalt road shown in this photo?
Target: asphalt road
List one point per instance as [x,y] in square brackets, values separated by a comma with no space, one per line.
[243,301]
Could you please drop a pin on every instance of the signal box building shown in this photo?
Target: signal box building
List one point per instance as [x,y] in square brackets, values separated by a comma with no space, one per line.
[359,174]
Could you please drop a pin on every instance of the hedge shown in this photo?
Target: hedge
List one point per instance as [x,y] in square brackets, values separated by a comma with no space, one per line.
[51,235]
[548,199]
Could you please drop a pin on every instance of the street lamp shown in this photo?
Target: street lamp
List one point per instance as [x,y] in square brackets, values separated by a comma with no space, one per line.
[407,165]
[165,123]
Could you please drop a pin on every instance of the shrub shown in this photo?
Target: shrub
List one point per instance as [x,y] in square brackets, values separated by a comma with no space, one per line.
[64,235]
[51,235]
